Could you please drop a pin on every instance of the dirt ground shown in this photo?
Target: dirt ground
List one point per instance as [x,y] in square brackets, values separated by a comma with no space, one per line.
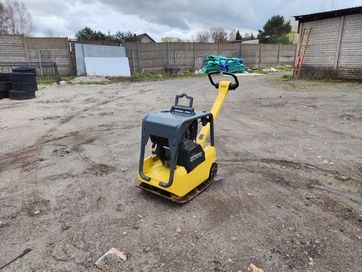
[289,153]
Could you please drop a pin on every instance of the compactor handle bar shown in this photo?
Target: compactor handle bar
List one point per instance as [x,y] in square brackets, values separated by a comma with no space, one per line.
[184,109]
[232,86]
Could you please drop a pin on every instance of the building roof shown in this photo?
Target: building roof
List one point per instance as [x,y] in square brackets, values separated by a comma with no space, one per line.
[140,36]
[328,14]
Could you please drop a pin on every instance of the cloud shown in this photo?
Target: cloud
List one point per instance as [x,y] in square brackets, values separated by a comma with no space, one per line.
[159,18]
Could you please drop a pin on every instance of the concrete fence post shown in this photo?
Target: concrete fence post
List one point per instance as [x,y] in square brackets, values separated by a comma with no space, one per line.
[240,56]
[194,55]
[168,53]
[26,49]
[174,54]
[139,57]
[278,54]
[133,64]
[259,55]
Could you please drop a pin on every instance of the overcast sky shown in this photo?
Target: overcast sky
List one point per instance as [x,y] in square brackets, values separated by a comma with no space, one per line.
[159,18]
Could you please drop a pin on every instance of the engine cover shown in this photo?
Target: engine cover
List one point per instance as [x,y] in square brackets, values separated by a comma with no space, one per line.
[190,155]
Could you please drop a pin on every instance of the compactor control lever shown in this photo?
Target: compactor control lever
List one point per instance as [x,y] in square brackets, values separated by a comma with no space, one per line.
[232,86]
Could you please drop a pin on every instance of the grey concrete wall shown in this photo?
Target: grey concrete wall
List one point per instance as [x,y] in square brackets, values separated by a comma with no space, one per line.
[155,57]
[17,48]
[91,50]
[149,57]
[334,49]
[12,48]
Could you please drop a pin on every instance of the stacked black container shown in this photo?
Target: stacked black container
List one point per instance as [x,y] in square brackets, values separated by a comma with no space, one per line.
[5,85]
[23,83]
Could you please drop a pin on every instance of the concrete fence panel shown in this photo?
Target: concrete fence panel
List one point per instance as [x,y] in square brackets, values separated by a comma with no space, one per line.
[18,48]
[147,57]
[12,48]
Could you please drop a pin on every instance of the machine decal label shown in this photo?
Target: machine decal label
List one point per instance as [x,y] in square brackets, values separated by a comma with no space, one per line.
[196,156]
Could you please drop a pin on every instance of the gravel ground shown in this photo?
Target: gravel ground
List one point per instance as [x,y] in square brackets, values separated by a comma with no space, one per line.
[289,154]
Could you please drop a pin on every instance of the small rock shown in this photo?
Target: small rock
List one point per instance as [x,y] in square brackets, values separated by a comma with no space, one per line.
[254,268]
[36,212]
[250,194]
[343,178]
[178,230]
[136,227]
[124,233]
[234,238]
[124,169]
[65,227]
[12,216]
[278,206]
[111,260]
[146,249]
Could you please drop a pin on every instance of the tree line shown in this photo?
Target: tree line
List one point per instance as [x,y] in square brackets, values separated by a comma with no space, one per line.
[275,30]
[88,34]
[213,35]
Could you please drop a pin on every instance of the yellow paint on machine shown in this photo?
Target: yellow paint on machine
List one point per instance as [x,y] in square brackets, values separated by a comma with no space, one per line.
[183,182]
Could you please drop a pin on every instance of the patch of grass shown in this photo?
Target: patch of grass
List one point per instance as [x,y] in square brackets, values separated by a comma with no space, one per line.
[44,81]
[334,80]
[284,68]
[137,77]
[47,81]
[68,79]
[279,68]
[258,70]
[152,76]
[93,82]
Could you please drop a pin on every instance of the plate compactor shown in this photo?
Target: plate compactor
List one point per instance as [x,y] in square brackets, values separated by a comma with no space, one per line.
[182,163]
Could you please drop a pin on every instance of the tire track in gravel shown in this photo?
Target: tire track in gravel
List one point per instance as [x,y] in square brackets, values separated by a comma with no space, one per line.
[28,157]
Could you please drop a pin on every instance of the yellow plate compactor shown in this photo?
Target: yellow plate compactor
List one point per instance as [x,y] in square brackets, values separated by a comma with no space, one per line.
[182,163]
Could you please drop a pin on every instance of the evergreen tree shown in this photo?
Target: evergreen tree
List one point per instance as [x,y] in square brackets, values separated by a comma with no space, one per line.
[238,36]
[275,30]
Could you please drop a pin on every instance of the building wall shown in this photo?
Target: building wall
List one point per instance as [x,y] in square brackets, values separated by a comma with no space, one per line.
[350,57]
[146,39]
[334,48]
[17,48]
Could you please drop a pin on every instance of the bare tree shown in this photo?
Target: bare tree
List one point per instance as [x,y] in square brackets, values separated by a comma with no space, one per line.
[171,39]
[203,36]
[232,35]
[218,35]
[15,18]
[3,20]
